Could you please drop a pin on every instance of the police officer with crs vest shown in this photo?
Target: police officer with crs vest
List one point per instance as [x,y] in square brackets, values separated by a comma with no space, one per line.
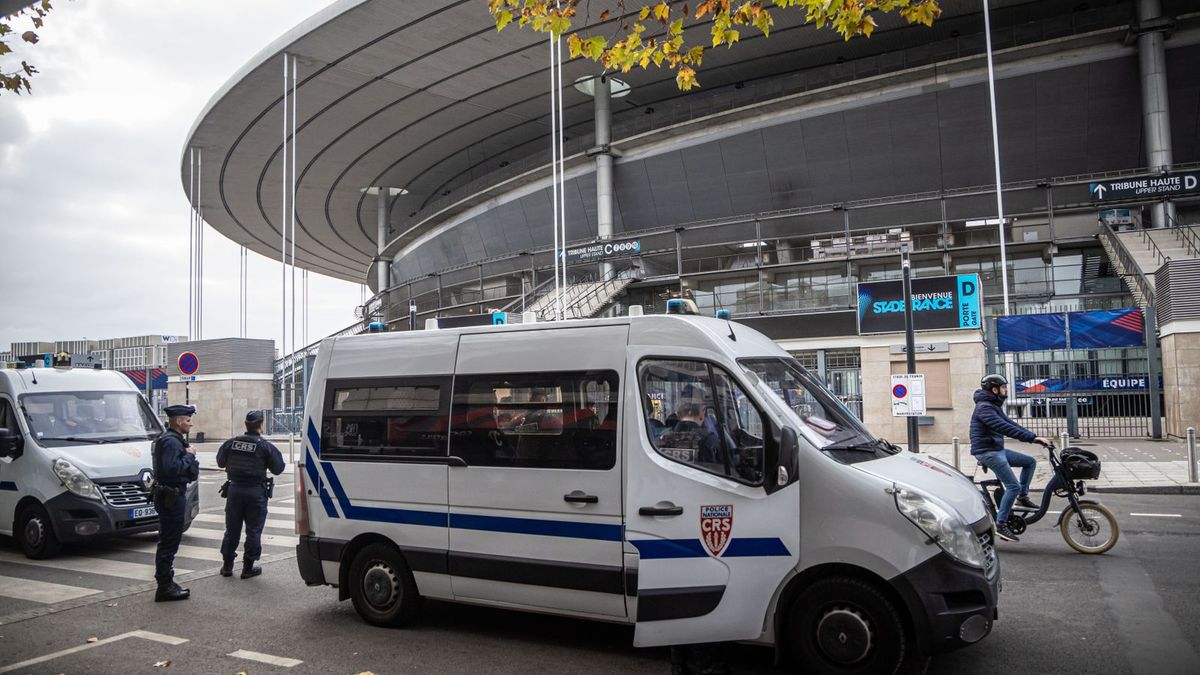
[175,466]
[246,459]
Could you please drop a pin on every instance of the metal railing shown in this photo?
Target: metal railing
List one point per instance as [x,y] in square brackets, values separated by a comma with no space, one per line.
[1127,267]
[1186,234]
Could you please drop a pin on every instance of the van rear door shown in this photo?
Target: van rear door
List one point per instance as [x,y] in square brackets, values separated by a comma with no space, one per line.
[709,543]
[535,513]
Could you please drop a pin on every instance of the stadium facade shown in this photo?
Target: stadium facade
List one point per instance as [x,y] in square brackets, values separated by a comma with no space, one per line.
[798,171]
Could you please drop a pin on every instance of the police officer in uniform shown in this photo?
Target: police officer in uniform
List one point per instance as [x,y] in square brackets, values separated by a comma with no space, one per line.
[246,459]
[175,466]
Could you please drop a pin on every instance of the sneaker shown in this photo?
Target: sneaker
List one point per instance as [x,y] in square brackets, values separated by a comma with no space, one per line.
[1004,533]
[1026,503]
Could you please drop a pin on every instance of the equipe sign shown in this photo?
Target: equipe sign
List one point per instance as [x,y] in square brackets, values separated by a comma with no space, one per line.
[1150,186]
[604,250]
[908,395]
[939,303]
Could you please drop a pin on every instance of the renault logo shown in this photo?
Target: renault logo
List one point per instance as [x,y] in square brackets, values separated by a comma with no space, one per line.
[147,478]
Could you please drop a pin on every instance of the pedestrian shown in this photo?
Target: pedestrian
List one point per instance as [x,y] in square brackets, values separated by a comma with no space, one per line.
[175,466]
[246,459]
[989,426]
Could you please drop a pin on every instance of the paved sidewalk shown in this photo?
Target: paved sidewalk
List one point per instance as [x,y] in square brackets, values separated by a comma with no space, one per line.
[1128,465]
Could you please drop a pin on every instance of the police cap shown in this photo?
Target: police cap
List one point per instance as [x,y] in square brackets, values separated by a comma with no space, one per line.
[180,410]
[254,417]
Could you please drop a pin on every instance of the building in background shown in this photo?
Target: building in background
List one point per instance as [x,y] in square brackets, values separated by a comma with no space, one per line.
[792,177]
[233,377]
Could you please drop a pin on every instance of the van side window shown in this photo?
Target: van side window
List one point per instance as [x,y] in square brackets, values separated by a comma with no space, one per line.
[385,418]
[698,415]
[8,417]
[536,420]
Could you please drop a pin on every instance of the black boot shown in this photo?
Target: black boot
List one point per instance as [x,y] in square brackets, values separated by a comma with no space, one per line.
[251,570]
[170,591]
[227,568]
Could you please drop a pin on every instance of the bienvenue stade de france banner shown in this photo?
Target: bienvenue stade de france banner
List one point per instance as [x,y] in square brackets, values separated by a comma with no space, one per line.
[939,303]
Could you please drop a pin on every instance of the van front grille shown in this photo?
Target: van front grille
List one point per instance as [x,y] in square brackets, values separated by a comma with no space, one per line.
[125,494]
[989,554]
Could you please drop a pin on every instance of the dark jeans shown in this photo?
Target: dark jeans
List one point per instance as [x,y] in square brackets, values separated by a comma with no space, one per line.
[170,530]
[244,504]
[1001,463]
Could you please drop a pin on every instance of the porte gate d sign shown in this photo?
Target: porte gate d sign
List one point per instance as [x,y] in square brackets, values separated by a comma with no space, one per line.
[908,395]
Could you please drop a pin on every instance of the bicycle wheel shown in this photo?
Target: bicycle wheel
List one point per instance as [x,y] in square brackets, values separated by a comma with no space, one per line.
[1097,533]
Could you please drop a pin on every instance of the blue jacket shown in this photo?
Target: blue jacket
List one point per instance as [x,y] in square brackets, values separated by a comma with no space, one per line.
[176,466]
[989,425]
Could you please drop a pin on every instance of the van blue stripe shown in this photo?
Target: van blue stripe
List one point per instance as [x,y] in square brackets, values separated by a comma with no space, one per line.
[545,528]
[658,549]
[8,485]
[752,547]
[314,440]
[745,547]
[379,514]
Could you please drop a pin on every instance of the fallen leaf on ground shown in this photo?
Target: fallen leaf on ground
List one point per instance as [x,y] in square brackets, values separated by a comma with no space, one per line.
[93,639]
[163,664]
[111,604]
[365,672]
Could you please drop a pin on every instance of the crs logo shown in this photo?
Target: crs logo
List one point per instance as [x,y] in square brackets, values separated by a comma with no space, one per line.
[634,246]
[716,524]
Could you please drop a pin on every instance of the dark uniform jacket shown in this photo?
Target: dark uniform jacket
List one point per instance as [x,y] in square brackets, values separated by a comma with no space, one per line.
[176,467]
[989,425]
[247,458]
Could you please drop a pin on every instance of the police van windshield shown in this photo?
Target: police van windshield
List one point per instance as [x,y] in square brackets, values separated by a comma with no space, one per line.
[825,421]
[88,417]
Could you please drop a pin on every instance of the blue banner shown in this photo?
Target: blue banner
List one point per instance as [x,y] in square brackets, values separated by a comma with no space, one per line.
[1031,332]
[1104,383]
[1107,328]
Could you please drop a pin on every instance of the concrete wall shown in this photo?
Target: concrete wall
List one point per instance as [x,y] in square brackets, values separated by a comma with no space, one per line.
[1181,372]
[221,403]
[967,362]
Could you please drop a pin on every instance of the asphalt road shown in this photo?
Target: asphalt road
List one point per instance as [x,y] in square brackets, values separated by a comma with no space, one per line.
[1132,610]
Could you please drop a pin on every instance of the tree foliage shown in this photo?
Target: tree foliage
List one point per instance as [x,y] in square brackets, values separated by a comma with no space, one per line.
[18,79]
[654,33]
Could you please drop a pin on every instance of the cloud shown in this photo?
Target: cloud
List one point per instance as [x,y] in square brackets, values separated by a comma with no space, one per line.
[93,221]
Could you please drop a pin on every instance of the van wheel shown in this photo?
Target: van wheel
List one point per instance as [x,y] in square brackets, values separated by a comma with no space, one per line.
[36,533]
[844,626]
[382,586]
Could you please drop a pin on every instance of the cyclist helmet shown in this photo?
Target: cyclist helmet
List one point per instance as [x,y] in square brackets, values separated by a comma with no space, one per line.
[992,380]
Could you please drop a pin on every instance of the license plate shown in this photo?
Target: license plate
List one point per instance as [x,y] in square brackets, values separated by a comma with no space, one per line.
[142,512]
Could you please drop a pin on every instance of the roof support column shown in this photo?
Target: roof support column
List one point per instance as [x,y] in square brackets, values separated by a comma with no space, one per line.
[1156,118]
[381,269]
[604,165]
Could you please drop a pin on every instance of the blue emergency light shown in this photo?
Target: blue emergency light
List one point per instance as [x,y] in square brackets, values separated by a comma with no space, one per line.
[375,327]
[724,314]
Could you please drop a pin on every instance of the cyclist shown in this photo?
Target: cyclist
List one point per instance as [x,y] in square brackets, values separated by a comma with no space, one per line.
[989,426]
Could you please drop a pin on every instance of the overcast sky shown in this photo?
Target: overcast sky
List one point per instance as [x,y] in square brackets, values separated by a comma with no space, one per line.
[93,219]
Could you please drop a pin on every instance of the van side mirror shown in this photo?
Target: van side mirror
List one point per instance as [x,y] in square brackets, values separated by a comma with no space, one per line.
[12,443]
[789,456]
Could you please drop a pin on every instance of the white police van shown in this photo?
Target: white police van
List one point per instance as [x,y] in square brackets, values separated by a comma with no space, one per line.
[679,473]
[75,458]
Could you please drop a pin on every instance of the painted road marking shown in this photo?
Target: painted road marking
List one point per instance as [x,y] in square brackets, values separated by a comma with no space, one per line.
[185,551]
[40,591]
[270,522]
[265,658]
[218,535]
[1158,515]
[90,565]
[143,634]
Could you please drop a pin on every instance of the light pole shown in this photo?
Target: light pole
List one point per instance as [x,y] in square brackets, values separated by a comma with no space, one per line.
[987,30]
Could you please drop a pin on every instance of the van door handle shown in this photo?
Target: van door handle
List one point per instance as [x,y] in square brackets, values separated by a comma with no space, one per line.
[668,510]
[578,497]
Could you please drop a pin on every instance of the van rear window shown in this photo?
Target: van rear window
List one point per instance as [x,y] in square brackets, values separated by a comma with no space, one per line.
[393,418]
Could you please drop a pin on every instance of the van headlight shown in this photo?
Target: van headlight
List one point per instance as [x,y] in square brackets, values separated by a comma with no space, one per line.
[75,480]
[941,525]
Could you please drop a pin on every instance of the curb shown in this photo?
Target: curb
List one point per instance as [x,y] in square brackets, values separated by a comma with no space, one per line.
[1177,489]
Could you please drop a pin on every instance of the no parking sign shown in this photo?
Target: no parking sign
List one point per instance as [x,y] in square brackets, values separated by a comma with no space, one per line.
[908,395]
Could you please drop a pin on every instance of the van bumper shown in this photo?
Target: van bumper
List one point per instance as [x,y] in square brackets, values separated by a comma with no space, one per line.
[951,605]
[77,519]
[309,554]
